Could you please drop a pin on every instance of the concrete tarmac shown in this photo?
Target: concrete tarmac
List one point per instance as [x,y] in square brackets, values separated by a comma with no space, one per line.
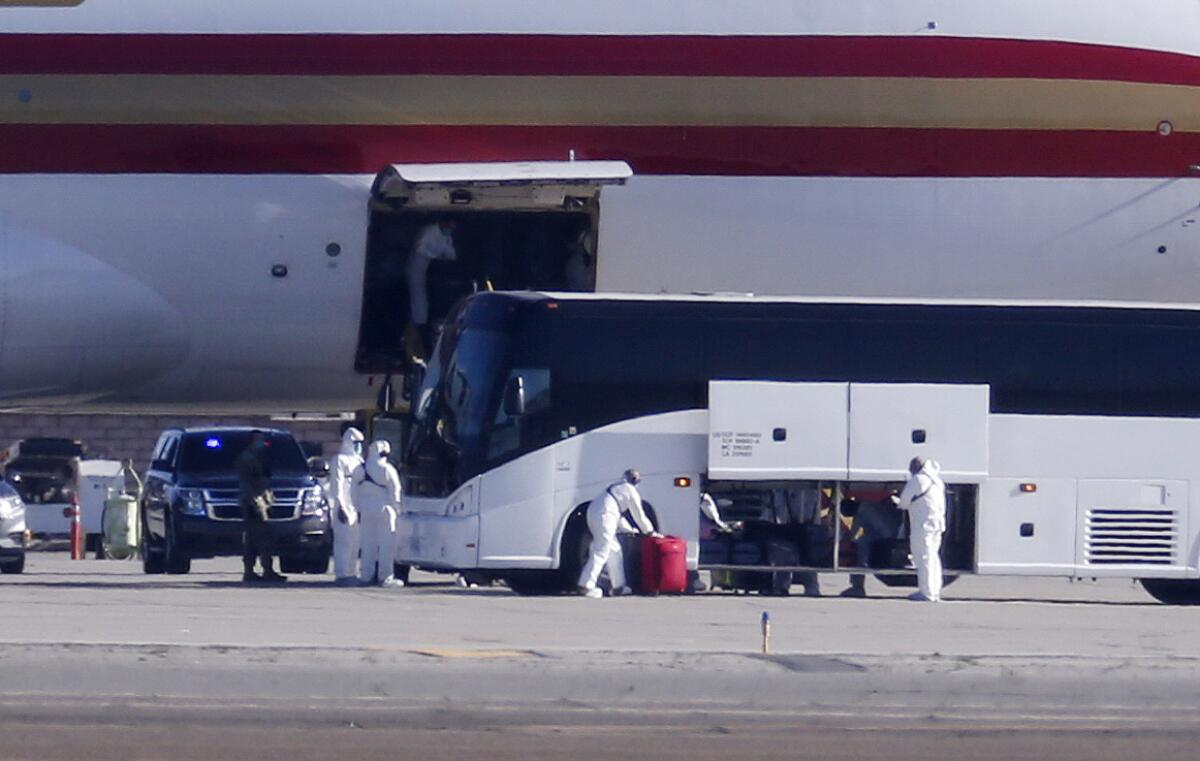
[89,601]
[100,658]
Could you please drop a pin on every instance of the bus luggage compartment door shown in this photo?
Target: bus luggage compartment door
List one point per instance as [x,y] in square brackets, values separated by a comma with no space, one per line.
[892,423]
[446,539]
[1026,526]
[438,541]
[777,431]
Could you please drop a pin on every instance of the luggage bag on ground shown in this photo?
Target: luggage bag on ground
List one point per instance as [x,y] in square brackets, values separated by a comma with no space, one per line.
[631,556]
[664,565]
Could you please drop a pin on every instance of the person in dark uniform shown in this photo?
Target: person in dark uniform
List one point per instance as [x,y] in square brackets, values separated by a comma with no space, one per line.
[255,498]
[872,523]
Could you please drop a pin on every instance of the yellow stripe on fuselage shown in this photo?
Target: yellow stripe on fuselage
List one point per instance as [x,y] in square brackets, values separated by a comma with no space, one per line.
[1043,104]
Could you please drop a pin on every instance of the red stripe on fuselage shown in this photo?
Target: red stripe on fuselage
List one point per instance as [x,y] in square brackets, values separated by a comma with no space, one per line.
[761,151]
[497,54]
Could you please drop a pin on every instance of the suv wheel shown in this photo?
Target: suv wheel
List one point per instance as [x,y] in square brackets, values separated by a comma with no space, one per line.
[175,559]
[152,554]
[13,566]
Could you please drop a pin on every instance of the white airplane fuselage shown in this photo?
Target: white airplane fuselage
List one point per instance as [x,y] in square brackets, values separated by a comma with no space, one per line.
[159,160]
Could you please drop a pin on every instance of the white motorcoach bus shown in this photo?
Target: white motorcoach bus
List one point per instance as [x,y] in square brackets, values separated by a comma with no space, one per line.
[1069,434]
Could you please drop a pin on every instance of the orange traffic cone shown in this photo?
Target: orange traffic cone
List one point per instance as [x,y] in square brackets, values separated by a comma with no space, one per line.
[77,543]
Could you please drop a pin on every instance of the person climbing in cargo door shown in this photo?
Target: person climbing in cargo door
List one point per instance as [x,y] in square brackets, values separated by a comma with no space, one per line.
[435,242]
[580,269]
[604,519]
[924,498]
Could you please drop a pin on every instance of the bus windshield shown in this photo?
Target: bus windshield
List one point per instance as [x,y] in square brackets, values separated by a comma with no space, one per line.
[575,374]
[452,407]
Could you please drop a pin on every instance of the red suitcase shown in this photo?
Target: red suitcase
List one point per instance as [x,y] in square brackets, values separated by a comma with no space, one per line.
[664,565]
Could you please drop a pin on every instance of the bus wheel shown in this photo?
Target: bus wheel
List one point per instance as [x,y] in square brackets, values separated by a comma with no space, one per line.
[576,541]
[1173,591]
[530,583]
[576,548]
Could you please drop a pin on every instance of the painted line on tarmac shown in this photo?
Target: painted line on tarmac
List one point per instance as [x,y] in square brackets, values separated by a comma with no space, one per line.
[451,653]
[889,660]
[865,716]
[221,648]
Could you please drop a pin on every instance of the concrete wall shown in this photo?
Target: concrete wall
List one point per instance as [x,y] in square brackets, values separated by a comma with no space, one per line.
[120,437]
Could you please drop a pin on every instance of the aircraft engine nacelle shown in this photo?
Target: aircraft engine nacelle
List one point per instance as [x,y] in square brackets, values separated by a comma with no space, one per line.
[73,328]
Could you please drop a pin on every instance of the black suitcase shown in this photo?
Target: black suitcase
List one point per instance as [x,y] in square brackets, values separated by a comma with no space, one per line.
[631,554]
[890,553]
[779,553]
[715,551]
[814,542]
[746,553]
[816,545]
[742,553]
[769,552]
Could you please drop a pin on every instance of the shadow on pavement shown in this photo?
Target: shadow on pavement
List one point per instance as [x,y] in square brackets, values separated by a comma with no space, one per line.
[72,581]
[1036,601]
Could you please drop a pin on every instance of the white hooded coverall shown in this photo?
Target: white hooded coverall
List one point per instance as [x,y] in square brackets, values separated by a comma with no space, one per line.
[433,243]
[341,503]
[604,520]
[708,508]
[376,494]
[924,497]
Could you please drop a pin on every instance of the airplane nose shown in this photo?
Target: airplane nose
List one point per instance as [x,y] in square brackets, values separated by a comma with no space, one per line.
[73,327]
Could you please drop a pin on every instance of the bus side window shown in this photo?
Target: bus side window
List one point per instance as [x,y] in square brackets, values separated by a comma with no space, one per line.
[507,430]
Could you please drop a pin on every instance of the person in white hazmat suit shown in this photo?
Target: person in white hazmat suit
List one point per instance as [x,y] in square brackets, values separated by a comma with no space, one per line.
[708,508]
[344,517]
[435,242]
[376,495]
[605,517]
[924,497]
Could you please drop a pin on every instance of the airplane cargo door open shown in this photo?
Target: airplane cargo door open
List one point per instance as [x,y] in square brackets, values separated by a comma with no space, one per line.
[439,232]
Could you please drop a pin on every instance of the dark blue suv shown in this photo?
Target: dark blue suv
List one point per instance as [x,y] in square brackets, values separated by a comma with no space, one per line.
[190,501]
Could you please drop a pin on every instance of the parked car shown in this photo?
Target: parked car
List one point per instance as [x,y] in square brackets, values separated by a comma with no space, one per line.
[13,536]
[45,472]
[190,501]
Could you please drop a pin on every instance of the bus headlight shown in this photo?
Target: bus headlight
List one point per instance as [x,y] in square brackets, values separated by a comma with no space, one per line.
[313,502]
[191,502]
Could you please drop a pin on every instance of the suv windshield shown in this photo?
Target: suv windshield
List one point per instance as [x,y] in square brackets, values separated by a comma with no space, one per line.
[216,452]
